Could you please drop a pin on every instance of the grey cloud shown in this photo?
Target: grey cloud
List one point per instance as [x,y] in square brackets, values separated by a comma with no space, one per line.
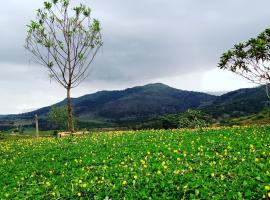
[143,40]
[156,38]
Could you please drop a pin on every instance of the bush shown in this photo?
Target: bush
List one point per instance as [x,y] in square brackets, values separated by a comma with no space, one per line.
[58,116]
[188,119]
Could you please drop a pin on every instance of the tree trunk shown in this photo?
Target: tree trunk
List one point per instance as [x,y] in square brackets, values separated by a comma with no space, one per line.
[70,112]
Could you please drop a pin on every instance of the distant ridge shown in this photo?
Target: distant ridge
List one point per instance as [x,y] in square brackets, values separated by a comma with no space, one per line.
[138,102]
[150,101]
[239,102]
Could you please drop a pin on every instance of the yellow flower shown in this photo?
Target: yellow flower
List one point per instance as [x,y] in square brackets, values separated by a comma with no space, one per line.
[124,182]
[48,184]
[80,181]
[257,159]
[79,194]
[185,154]
[135,177]
[53,193]
[84,185]
[158,172]
[165,167]
[268,194]
[213,174]
[267,187]
[178,159]
[222,177]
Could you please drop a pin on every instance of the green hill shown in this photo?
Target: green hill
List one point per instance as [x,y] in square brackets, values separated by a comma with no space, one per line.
[133,104]
[143,103]
[239,103]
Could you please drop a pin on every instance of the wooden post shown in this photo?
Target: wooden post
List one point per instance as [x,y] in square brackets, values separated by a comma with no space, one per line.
[36,119]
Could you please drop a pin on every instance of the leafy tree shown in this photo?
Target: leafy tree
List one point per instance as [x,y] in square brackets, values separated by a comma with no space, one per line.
[189,119]
[250,59]
[19,126]
[169,121]
[65,40]
[58,116]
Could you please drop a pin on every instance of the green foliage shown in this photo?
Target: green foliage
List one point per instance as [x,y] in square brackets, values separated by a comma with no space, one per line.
[249,59]
[189,119]
[238,103]
[58,116]
[260,118]
[228,163]
[96,25]
[82,9]
[47,5]
[2,136]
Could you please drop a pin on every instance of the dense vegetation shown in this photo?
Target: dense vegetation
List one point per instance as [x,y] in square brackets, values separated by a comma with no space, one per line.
[227,163]
[239,103]
[188,119]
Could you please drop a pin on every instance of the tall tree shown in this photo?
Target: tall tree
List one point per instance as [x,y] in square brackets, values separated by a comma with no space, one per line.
[250,59]
[65,40]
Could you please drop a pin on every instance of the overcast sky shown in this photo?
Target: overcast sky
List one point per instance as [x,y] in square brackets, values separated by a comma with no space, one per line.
[176,42]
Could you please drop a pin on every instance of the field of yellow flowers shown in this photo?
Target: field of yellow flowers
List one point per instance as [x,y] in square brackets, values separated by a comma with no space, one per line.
[221,163]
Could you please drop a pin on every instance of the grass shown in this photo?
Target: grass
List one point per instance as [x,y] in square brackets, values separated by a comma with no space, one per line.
[261,118]
[28,133]
[221,163]
[32,132]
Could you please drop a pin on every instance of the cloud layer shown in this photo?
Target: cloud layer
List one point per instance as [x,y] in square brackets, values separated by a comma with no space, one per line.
[144,41]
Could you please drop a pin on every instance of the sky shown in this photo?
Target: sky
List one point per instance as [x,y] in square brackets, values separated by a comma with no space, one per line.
[176,42]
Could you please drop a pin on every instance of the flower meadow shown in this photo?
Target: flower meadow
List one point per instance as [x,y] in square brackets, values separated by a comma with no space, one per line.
[217,163]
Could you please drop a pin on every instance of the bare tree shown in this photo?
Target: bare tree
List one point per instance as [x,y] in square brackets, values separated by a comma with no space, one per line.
[65,40]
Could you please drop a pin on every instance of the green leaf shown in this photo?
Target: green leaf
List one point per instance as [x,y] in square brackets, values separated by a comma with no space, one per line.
[47,5]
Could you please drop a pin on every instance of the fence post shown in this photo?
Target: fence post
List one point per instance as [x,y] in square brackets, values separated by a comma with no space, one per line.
[36,119]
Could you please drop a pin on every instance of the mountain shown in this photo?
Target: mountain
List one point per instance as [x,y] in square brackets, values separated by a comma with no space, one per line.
[142,103]
[239,103]
[135,103]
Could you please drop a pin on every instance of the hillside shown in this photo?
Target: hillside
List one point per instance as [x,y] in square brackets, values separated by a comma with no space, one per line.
[239,103]
[133,103]
[142,103]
